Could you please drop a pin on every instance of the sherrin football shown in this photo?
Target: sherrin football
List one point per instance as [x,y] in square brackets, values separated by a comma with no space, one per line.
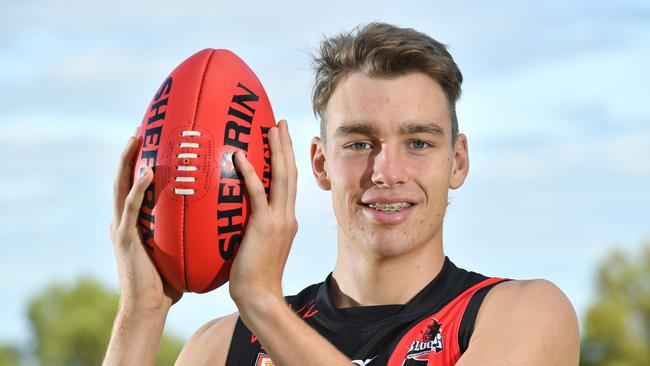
[195,211]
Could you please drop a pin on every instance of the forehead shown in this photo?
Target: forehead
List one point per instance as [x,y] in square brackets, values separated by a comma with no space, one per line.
[387,103]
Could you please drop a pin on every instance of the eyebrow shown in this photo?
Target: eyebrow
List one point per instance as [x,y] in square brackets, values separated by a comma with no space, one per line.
[415,127]
[365,128]
[355,128]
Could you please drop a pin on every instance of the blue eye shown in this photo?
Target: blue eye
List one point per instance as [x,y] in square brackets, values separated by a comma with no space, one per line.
[419,145]
[359,146]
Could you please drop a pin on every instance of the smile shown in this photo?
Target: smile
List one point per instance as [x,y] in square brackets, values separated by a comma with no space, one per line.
[389,207]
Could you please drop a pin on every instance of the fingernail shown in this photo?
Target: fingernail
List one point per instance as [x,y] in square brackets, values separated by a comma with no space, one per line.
[143,172]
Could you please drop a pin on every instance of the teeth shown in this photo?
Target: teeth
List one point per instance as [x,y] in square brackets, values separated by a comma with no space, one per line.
[389,207]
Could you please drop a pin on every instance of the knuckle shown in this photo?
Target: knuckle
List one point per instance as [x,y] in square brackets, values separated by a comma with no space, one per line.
[121,235]
[293,226]
[258,189]
[111,230]
[139,186]
[249,174]
[242,166]
[131,204]
[281,177]
[277,154]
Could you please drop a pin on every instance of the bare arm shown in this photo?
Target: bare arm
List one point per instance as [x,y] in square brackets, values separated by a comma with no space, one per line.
[145,298]
[135,338]
[255,279]
[525,323]
[287,338]
[210,344]
[291,340]
[256,275]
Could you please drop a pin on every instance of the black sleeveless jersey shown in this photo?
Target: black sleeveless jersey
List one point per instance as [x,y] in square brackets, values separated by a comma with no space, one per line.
[433,328]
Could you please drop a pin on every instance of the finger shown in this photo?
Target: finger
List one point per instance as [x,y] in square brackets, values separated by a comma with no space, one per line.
[122,183]
[278,198]
[254,186]
[292,170]
[134,199]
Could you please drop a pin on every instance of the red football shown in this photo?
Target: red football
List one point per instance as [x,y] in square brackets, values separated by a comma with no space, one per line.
[194,212]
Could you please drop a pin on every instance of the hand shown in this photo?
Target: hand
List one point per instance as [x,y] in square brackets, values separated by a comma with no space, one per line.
[141,287]
[258,267]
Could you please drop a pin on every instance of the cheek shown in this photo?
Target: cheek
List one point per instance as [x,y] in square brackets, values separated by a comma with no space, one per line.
[435,185]
[344,184]
[347,173]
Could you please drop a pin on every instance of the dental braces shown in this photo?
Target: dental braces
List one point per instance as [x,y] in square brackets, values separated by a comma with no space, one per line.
[394,207]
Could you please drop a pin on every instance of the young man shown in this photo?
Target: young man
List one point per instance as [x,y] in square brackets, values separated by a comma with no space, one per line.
[389,151]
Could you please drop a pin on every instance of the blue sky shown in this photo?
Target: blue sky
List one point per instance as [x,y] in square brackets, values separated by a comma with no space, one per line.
[555,106]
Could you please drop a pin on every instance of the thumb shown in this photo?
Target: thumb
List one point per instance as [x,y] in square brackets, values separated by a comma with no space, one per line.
[134,198]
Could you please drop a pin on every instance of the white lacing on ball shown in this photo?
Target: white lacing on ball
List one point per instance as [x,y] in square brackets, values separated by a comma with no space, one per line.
[187,168]
[184,192]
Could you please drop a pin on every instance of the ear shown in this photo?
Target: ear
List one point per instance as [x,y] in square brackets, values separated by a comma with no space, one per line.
[460,167]
[318,164]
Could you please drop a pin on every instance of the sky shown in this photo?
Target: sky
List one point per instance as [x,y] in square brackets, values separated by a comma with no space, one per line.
[554,104]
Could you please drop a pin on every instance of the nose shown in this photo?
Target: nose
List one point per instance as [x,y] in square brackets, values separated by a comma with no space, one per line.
[388,167]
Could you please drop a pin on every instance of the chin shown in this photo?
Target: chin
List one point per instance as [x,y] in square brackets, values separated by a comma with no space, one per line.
[387,246]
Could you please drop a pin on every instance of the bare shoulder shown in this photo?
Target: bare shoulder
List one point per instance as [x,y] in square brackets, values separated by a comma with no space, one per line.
[524,323]
[209,345]
[540,299]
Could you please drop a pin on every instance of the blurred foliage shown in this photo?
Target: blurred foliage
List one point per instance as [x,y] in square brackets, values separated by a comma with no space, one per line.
[72,326]
[617,325]
[8,355]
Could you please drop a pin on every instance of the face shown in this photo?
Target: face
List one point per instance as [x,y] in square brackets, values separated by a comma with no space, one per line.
[389,161]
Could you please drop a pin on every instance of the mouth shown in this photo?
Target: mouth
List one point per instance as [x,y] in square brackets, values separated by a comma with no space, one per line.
[388,207]
[391,211]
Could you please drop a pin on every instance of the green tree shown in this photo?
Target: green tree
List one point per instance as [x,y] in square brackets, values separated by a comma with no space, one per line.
[8,355]
[72,325]
[617,325]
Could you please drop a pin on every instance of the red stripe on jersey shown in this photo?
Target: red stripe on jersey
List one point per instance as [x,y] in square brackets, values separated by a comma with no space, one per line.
[434,340]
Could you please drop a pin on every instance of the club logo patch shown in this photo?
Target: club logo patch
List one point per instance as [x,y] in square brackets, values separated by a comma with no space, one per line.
[263,360]
[430,340]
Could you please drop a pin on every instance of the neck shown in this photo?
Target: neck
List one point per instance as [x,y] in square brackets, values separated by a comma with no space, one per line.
[363,279]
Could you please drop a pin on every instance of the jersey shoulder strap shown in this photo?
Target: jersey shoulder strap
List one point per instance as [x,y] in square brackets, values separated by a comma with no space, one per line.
[436,338]
[469,317]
